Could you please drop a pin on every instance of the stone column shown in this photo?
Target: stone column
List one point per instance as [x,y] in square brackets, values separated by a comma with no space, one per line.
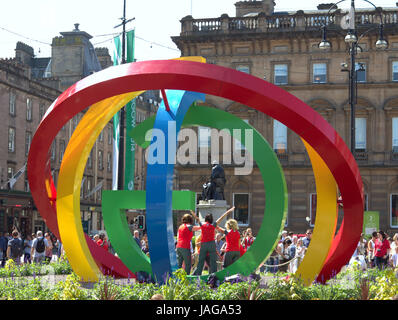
[216,208]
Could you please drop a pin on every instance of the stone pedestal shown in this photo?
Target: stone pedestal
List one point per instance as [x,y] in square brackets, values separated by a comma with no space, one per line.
[215,207]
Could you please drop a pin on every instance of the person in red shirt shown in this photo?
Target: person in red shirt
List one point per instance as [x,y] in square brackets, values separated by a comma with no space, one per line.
[208,244]
[232,238]
[102,241]
[184,238]
[381,250]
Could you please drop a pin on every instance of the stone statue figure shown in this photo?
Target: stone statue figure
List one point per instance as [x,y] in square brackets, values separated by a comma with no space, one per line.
[214,189]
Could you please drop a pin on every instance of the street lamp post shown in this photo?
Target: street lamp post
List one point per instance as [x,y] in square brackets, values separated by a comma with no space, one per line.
[352,40]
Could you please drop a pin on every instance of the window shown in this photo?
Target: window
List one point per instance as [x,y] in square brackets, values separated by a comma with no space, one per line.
[53,152]
[238,146]
[280,137]
[29,109]
[365,202]
[100,160]
[395,134]
[61,150]
[312,209]
[394,210]
[101,136]
[110,135]
[88,187]
[41,111]
[360,134]
[75,122]
[395,71]
[10,171]
[11,139]
[280,74]
[245,69]
[319,71]
[241,212]
[90,159]
[28,140]
[13,99]
[26,183]
[109,162]
[204,137]
[360,68]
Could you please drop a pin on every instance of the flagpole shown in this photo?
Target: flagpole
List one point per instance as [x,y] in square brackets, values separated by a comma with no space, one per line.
[120,178]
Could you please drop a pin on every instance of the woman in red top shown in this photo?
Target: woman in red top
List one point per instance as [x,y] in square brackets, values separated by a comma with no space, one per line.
[102,241]
[381,250]
[184,237]
[232,238]
[208,244]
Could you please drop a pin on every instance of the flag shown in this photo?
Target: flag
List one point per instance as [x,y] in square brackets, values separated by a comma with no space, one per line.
[130,124]
[352,17]
[130,121]
[16,176]
[348,21]
[117,59]
[96,188]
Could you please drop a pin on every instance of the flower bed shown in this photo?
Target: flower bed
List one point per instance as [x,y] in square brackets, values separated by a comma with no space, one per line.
[352,284]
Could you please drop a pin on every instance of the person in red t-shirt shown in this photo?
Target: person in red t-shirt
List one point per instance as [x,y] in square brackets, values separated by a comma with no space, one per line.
[184,238]
[381,250]
[232,238]
[208,244]
[102,241]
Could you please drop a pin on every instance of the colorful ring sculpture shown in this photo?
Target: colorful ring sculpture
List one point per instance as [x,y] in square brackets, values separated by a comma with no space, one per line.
[108,90]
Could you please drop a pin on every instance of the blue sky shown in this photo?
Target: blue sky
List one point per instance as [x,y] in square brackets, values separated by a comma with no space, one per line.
[37,22]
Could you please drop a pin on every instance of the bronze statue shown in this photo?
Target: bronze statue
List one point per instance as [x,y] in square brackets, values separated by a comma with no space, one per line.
[214,189]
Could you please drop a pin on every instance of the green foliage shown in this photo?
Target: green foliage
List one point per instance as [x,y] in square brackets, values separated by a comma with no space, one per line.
[108,290]
[70,289]
[34,269]
[178,287]
[385,285]
[351,284]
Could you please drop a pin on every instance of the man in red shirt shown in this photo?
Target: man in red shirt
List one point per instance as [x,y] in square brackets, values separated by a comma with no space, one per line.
[381,250]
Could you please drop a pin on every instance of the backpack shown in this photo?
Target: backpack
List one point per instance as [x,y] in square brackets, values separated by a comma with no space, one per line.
[40,246]
[16,248]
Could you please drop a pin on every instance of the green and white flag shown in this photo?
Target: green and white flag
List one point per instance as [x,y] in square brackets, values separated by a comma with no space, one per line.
[117,59]
[130,124]
[130,121]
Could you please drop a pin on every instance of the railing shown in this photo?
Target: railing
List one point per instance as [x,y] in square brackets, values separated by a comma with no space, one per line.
[298,21]
[201,25]
[250,23]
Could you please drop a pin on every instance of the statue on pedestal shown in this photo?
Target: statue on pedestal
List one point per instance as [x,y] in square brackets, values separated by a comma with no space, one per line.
[214,189]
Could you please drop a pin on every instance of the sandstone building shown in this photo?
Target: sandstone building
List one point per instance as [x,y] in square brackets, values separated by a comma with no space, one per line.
[282,48]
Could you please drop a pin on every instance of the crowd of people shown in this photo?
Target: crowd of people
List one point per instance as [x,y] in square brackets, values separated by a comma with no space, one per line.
[37,248]
[215,247]
[380,251]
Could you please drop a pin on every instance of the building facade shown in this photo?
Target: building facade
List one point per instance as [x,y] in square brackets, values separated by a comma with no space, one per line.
[28,86]
[282,48]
